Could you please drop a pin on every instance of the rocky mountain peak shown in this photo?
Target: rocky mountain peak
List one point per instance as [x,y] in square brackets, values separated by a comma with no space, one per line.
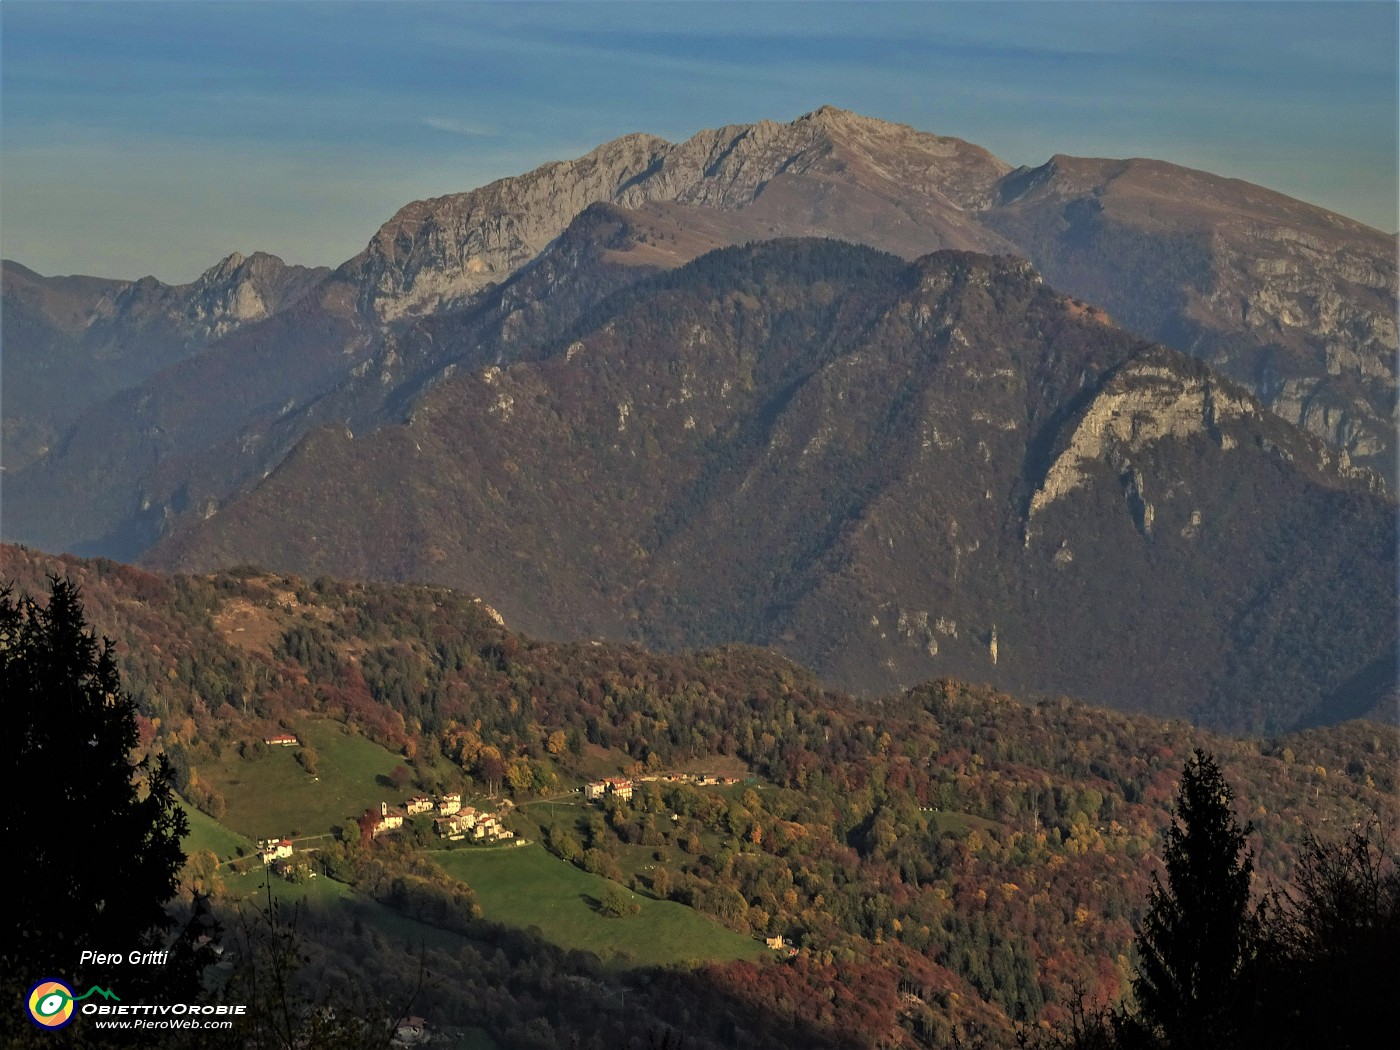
[236,266]
[1293,301]
[226,265]
[240,289]
[440,252]
[225,296]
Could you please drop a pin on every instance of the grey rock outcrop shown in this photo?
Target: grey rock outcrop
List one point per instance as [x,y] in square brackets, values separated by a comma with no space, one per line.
[1295,302]
[439,252]
[240,290]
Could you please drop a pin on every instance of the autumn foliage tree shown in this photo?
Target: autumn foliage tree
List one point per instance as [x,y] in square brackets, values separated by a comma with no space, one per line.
[1329,952]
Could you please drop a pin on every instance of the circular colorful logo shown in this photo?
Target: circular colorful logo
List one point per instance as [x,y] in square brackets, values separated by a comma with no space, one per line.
[50,1004]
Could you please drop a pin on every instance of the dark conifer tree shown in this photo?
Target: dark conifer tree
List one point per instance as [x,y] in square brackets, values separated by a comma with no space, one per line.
[95,837]
[1199,930]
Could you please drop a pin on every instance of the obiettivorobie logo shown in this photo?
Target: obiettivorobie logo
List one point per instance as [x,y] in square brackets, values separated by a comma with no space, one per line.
[50,1002]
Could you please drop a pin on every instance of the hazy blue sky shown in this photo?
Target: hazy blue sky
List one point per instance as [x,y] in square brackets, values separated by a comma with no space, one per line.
[156,138]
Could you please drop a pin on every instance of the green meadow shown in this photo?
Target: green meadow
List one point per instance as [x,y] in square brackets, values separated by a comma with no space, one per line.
[528,887]
[206,833]
[252,888]
[273,796]
[957,823]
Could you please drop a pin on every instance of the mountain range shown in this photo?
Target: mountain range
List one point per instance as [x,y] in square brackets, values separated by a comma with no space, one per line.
[896,460]
[76,341]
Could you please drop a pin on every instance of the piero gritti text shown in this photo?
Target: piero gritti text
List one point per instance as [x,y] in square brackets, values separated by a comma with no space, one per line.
[134,958]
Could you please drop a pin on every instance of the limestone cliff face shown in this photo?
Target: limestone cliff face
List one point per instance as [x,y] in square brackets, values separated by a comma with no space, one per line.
[1151,399]
[1327,297]
[437,252]
[1145,401]
[1295,302]
[243,289]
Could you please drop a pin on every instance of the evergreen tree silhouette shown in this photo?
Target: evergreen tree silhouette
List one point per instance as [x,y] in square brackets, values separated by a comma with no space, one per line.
[94,837]
[1199,931]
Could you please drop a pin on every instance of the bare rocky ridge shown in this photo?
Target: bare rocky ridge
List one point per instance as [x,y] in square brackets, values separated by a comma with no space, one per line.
[74,341]
[1294,301]
[438,252]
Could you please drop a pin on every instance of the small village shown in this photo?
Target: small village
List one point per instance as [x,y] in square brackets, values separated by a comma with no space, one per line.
[456,822]
[621,787]
[453,821]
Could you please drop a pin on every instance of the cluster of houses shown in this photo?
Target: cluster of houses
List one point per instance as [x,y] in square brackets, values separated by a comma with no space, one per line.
[483,827]
[423,804]
[453,821]
[621,787]
[703,779]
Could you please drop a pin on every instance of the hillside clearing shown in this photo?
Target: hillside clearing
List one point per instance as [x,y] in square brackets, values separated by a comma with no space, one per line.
[528,887]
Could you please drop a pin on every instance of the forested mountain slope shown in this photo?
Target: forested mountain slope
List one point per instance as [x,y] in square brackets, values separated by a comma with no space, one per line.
[888,470]
[946,861]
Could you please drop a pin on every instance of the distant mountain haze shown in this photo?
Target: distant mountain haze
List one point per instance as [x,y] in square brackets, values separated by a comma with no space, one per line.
[72,342]
[890,465]
[888,470]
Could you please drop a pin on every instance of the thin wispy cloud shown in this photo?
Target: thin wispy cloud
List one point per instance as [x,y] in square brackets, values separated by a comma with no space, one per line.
[457,126]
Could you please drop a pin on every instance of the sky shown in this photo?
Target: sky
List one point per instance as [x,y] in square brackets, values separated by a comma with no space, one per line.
[156,138]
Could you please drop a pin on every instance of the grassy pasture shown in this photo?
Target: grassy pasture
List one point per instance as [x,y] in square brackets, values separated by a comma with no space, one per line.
[208,833]
[527,886]
[328,893]
[273,796]
[322,891]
